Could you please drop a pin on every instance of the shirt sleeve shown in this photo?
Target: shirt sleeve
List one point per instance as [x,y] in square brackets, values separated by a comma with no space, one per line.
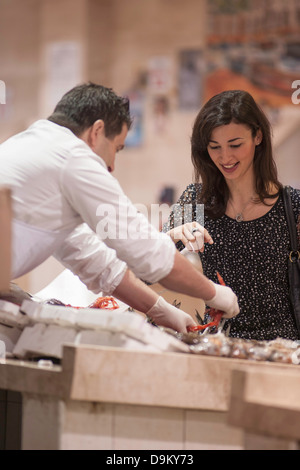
[98,198]
[87,257]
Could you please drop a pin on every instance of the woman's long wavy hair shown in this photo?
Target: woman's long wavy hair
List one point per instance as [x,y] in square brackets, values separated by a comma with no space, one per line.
[239,107]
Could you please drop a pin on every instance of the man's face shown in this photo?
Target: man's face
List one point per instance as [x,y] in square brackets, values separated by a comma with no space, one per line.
[107,147]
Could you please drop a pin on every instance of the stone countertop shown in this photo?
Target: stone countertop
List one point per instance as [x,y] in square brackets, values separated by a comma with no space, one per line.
[114,375]
[266,402]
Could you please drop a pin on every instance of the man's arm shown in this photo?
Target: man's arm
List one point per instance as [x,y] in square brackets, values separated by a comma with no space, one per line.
[185,278]
[139,296]
[101,271]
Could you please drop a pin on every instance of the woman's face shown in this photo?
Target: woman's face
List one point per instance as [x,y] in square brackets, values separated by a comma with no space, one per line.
[231,147]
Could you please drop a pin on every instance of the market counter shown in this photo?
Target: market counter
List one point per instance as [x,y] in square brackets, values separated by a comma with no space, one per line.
[266,405]
[113,398]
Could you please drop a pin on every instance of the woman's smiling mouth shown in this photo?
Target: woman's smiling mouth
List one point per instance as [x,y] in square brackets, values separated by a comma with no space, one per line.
[230,168]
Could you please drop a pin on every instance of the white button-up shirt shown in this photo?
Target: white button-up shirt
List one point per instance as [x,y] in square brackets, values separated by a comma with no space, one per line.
[67,204]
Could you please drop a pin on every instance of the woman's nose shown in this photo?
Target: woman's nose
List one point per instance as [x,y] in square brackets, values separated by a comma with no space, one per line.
[225,154]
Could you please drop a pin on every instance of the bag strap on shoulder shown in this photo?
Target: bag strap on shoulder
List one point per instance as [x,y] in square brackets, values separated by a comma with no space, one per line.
[294,254]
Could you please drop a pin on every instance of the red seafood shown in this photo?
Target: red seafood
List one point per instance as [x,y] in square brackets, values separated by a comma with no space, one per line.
[216,315]
[108,303]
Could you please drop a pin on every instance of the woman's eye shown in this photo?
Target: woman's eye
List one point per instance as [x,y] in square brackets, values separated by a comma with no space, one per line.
[216,147]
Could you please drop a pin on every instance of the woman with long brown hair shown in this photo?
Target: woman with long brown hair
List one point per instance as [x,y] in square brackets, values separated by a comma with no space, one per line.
[236,181]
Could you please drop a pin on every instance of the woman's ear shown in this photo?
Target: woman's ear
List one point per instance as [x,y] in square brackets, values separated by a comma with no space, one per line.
[258,137]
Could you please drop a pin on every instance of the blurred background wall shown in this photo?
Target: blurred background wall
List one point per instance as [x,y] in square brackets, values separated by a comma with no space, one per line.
[169,57]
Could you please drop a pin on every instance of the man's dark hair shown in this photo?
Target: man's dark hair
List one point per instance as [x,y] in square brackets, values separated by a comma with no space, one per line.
[84,104]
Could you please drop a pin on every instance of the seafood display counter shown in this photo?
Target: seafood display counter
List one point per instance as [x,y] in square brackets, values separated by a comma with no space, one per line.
[112,398]
[265,404]
[92,378]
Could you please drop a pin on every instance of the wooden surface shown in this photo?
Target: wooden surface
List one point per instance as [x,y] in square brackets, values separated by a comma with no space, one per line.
[266,402]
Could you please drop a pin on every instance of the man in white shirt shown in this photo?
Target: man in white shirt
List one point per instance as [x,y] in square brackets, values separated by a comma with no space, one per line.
[59,170]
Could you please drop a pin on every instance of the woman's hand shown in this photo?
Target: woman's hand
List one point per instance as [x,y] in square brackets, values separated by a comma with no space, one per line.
[192,235]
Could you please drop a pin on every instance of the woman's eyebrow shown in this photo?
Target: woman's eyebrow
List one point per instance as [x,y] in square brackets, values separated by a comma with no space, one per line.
[231,140]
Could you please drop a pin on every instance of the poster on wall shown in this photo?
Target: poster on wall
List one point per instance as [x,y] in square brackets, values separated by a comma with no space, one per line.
[159,75]
[159,89]
[135,136]
[190,79]
[63,71]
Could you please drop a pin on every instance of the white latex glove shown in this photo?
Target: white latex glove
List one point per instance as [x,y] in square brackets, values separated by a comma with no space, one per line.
[165,314]
[224,300]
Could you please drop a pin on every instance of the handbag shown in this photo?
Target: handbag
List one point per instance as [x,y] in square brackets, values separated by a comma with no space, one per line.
[293,258]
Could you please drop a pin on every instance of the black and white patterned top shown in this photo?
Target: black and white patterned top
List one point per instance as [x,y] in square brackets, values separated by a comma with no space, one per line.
[251,256]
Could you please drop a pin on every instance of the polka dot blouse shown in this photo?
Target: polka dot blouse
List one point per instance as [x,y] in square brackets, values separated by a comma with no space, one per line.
[251,256]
